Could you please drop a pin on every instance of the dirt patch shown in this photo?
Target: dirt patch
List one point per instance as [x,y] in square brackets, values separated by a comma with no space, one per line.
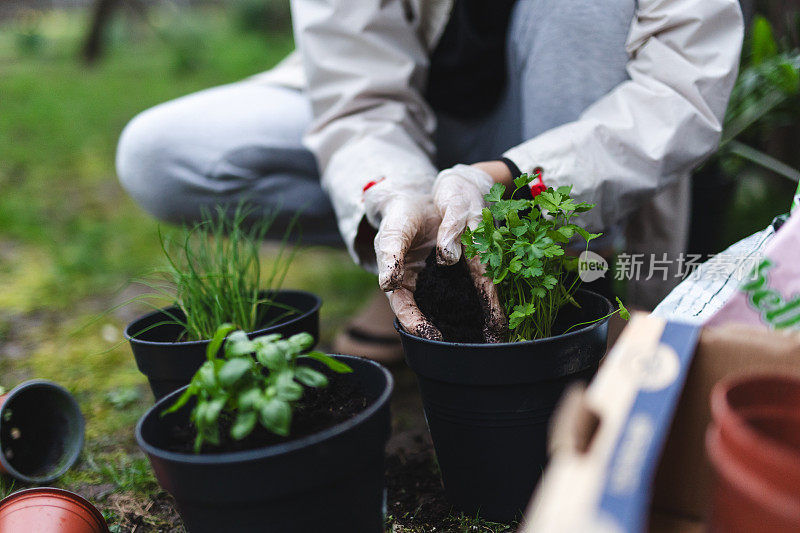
[416,501]
[317,410]
[135,515]
[447,296]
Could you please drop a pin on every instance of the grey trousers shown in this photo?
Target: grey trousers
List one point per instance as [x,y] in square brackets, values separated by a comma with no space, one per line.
[244,140]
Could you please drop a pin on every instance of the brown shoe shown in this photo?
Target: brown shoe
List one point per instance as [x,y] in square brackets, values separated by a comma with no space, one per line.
[371,334]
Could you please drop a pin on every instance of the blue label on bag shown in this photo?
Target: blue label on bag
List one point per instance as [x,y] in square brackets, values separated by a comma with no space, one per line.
[624,502]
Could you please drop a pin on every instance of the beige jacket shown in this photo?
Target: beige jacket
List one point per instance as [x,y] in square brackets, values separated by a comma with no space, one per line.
[364,66]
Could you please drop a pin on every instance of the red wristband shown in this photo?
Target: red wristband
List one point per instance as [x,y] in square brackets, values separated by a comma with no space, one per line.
[370,184]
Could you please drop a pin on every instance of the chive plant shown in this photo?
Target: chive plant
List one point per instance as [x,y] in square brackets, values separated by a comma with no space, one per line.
[215,271]
[522,243]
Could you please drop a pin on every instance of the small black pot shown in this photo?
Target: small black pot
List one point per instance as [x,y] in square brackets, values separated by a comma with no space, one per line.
[41,431]
[330,481]
[170,365]
[488,406]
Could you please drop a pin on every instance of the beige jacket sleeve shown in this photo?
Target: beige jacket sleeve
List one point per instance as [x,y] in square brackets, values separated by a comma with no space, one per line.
[366,66]
[655,128]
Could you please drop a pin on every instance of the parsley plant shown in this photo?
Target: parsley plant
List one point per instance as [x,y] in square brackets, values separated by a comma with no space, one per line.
[522,243]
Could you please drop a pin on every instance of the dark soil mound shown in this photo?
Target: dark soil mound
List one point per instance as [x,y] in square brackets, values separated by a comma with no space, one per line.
[447,296]
[317,410]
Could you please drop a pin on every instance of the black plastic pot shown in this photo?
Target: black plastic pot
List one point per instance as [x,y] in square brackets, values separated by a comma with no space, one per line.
[41,431]
[170,365]
[488,406]
[330,481]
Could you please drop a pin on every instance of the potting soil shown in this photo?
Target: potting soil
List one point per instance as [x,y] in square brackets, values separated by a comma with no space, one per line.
[446,295]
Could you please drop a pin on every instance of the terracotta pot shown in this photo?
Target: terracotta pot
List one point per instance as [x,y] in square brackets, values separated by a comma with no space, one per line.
[753,444]
[49,510]
[41,431]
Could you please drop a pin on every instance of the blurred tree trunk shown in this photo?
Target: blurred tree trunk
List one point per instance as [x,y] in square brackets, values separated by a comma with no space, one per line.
[93,47]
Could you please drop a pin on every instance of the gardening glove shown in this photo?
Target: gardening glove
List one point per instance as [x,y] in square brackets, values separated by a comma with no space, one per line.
[458,199]
[407,225]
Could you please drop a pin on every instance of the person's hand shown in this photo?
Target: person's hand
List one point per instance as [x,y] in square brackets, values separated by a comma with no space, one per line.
[407,224]
[458,199]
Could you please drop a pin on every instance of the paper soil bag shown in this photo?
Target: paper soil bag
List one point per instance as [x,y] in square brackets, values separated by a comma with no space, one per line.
[628,453]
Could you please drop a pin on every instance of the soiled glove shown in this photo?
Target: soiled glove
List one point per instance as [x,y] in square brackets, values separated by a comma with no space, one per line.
[407,224]
[458,196]
[458,199]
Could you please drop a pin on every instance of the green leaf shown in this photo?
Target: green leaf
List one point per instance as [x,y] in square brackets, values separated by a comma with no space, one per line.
[212,410]
[206,376]
[332,363]
[263,340]
[533,271]
[234,370]
[521,312]
[287,388]
[523,180]
[310,377]
[250,399]
[487,218]
[762,41]
[495,193]
[567,232]
[585,234]
[623,311]
[301,342]
[276,416]
[549,282]
[244,424]
[500,275]
[495,260]
[219,338]
[181,401]
[271,357]
[237,344]
[785,76]
[514,320]
[526,309]
[519,231]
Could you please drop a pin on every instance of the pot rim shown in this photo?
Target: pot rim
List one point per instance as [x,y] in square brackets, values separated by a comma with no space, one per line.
[70,460]
[272,450]
[494,346]
[302,316]
[61,494]
[765,448]
[744,480]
